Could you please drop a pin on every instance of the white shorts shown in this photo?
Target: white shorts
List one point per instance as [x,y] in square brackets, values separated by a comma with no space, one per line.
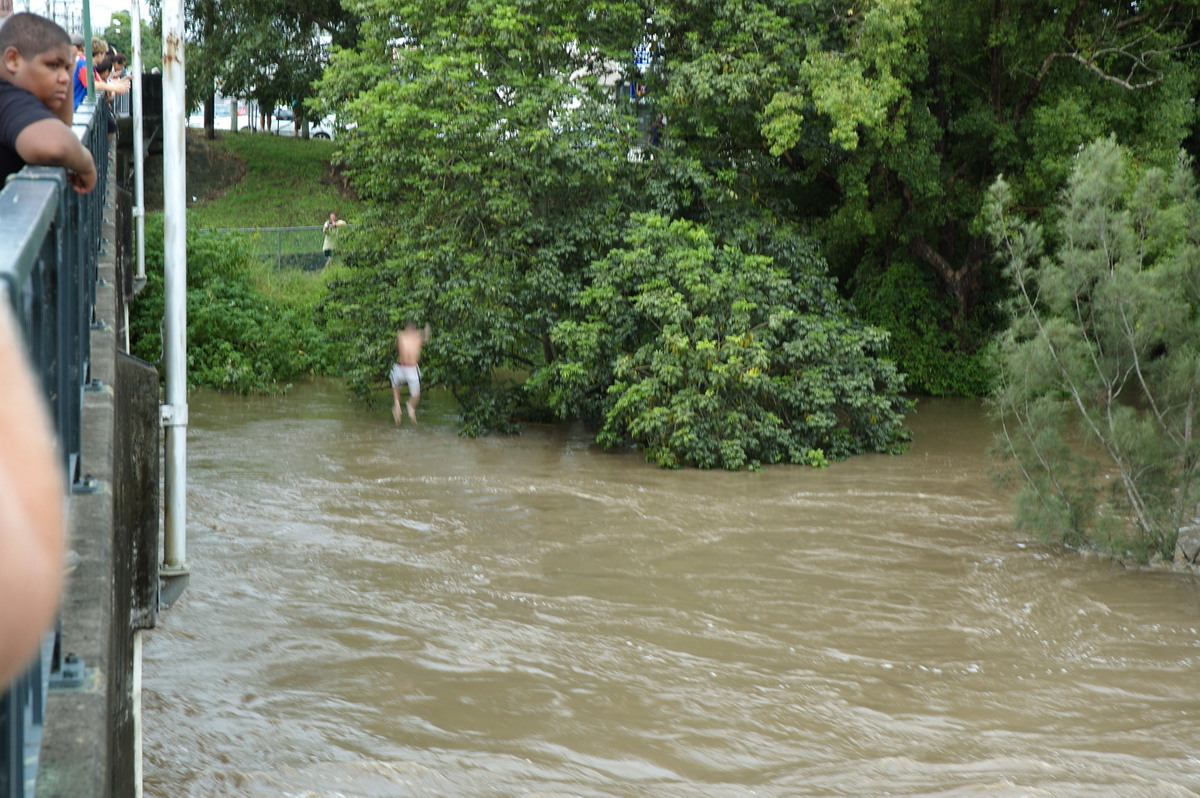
[409,374]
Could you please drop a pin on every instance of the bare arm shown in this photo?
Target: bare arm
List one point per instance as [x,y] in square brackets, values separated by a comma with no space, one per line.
[113,87]
[31,509]
[48,142]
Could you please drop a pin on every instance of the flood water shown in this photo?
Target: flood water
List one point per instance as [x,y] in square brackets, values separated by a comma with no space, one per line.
[402,612]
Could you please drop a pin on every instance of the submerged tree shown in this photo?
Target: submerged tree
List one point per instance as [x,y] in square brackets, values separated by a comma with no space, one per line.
[1099,395]
[500,148]
[704,355]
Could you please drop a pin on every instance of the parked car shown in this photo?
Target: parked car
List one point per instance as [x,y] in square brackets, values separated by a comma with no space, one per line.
[322,129]
[317,129]
[222,116]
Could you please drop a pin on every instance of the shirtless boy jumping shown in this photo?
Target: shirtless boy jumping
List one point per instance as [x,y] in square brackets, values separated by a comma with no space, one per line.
[408,353]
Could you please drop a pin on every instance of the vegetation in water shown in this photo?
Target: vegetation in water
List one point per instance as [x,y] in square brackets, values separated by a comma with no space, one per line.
[556,208]
[704,355]
[1098,399]
[661,294]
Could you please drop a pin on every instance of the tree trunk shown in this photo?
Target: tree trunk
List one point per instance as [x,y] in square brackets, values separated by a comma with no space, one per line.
[963,281]
[210,117]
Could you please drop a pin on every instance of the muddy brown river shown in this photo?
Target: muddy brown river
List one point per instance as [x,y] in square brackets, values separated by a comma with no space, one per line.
[403,612]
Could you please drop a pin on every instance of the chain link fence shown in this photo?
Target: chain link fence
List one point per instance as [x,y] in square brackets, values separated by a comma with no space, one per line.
[284,247]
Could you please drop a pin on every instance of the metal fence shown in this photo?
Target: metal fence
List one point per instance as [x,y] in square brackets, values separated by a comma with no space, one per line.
[50,241]
[283,247]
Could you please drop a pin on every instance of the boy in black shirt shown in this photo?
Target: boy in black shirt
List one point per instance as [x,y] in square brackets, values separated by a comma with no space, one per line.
[35,105]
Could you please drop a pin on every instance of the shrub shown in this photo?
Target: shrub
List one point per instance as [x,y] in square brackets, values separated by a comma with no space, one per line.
[703,355]
[238,340]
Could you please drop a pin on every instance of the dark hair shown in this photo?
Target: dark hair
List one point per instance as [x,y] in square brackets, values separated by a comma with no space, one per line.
[105,65]
[119,59]
[31,34]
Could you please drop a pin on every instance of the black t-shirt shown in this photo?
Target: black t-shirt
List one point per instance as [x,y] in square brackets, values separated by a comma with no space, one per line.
[18,110]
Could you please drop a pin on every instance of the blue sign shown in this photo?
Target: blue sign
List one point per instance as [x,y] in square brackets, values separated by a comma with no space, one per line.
[641,56]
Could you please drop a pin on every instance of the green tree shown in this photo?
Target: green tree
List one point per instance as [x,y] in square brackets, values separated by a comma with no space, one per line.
[500,149]
[269,51]
[704,355]
[119,34]
[885,120]
[487,139]
[1099,395]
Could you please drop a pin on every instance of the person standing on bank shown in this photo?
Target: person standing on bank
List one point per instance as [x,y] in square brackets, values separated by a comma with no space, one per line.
[330,229]
[408,354]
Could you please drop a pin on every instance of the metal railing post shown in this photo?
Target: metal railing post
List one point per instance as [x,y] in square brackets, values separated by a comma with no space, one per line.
[139,183]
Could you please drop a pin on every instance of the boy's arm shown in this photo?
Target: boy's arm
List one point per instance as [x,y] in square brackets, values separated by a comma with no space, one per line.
[48,142]
[113,87]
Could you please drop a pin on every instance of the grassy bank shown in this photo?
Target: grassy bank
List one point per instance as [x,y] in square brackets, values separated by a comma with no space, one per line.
[248,180]
[251,326]
[257,180]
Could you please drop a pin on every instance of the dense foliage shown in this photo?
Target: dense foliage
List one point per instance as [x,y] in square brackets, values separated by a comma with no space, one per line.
[505,149]
[1099,400]
[891,118]
[495,179]
[504,153]
[704,355]
[238,339]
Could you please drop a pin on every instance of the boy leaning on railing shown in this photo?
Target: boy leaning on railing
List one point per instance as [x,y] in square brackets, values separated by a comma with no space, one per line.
[36,108]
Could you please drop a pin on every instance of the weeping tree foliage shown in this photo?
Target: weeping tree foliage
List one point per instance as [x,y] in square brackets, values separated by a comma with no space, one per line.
[1099,395]
[704,355]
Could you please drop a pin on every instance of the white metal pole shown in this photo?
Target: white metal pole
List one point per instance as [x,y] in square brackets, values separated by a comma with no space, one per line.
[137,712]
[175,413]
[139,184]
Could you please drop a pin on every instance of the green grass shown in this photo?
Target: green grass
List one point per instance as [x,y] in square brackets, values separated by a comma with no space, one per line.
[287,183]
[298,289]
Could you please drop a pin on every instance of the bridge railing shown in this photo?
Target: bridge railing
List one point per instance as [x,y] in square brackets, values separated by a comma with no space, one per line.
[50,244]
